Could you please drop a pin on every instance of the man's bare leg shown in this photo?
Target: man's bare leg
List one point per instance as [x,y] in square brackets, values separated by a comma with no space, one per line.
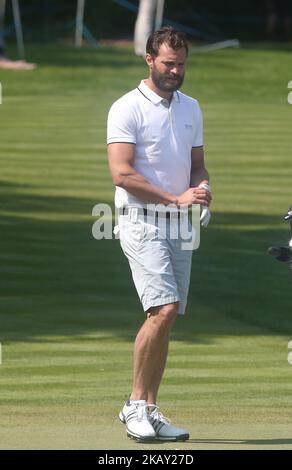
[150,352]
[158,373]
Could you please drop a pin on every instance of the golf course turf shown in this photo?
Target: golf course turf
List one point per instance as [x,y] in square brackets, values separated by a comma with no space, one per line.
[68,310]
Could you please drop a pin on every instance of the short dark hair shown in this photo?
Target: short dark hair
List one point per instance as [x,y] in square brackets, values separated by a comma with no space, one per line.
[167,35]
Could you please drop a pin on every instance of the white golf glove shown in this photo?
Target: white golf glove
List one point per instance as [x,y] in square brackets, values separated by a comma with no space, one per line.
[205,211]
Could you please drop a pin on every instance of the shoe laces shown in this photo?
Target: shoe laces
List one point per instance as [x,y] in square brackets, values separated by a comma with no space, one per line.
[156,414]
[141,411]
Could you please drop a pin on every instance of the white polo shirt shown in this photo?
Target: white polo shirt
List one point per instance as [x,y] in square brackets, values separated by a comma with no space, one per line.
[163,134]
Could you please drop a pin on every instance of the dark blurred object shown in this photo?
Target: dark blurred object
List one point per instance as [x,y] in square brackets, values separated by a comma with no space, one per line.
[279,14]
[249,20]
[2,12]
[284,253]
[281,253]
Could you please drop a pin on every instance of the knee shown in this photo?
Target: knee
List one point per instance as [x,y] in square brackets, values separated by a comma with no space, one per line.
[164,315]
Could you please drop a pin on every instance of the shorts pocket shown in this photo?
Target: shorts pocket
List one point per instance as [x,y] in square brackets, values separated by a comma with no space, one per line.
[131,234]
[151,232]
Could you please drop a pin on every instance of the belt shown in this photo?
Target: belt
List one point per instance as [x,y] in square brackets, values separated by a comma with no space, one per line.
[146,212]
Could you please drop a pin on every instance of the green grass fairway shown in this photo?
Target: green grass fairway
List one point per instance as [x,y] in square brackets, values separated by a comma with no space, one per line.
[69,312]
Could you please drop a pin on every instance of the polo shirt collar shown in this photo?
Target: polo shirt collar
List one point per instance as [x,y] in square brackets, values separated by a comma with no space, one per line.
[152,96]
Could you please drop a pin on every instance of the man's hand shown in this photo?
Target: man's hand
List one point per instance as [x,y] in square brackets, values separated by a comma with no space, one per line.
[199,195]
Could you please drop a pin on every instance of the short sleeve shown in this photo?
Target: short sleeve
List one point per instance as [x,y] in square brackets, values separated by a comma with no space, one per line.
[198,134]
[121,125]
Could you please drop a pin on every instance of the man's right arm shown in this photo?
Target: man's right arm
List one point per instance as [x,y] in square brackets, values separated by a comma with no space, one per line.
[121,159]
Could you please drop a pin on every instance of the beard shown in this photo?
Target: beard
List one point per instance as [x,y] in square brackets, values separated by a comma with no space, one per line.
[166,82]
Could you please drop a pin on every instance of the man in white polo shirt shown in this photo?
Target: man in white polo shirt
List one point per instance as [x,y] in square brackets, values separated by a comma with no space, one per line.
[156,159]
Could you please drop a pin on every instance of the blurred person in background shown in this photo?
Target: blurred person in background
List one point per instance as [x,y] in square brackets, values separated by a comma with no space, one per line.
[279,11]
[5,62]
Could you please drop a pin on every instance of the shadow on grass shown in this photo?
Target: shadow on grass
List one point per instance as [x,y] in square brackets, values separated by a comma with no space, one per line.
[252,442]
[223,442]
[68,56]
[118,57]
[55,279]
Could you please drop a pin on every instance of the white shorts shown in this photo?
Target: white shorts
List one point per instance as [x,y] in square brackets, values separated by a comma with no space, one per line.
[160,267]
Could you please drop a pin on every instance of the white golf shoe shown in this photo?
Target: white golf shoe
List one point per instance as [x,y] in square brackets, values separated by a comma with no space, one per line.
[135,416]
[164,430]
